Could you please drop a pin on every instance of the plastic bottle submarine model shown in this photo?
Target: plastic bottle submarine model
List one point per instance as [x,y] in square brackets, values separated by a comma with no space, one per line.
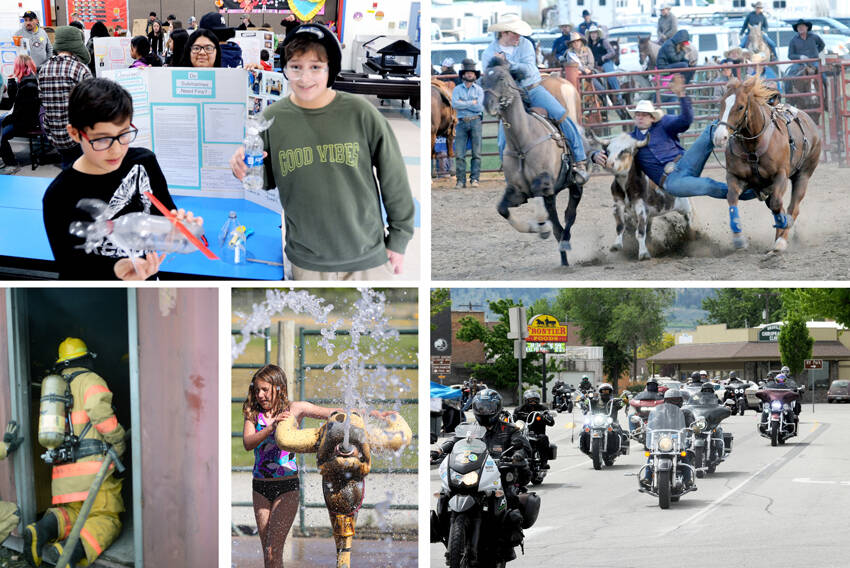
[138,231]
[344,469]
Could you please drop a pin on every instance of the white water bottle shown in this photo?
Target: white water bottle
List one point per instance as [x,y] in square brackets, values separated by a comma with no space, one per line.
[253,145]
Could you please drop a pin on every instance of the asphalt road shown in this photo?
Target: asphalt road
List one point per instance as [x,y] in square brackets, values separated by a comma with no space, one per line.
[765,506]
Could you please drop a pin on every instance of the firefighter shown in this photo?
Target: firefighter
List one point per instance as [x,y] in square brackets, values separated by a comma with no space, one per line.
[92,430]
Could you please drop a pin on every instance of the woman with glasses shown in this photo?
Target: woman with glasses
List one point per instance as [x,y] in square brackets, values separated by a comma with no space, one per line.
[202,50]
[100,115]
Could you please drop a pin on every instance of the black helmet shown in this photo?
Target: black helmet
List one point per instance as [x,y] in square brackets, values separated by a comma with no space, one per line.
[324,36]
[673,396]
[695,377]
[530,395]
[707,387]
[486,405]
[605,391]
[652,385]
[733,375]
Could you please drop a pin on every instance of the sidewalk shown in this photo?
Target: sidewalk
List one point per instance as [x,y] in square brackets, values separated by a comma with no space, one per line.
[321,552]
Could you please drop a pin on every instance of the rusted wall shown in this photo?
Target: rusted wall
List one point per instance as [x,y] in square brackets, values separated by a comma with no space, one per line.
[7,476]
[178,360]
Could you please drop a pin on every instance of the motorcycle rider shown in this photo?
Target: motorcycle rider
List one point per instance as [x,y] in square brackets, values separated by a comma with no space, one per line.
[604,402]
[585,386]
[780,381]
[531,399]
[649,392]
[696,378]
[487,407]
[560,389]
[674,397]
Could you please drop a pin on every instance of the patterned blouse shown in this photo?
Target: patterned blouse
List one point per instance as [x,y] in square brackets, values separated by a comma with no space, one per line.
[270,462]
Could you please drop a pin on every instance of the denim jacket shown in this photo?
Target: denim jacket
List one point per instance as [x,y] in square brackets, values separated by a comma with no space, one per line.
[462,98]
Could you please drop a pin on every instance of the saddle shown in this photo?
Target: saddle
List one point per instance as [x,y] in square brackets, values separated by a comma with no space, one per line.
[788,114]
[444,94]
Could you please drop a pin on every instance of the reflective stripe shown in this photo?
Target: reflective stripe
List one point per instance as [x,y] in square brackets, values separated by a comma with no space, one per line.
[67,522]
[79,417]
[107,425]
[76,469]
[91,540]
[92,390]
[70,497]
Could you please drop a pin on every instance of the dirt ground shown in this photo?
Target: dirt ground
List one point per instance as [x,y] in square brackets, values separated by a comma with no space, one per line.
[471,241]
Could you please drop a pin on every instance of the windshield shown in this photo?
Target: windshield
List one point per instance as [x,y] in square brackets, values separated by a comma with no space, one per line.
[470,429]
[666,417]
[703,399]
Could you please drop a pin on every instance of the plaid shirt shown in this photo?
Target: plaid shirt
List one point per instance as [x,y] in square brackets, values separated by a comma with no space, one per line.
[56,78]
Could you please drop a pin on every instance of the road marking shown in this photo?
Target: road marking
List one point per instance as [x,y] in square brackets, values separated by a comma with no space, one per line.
[570,425]
[582,464]
[818,482]
[815,425]
[713,505]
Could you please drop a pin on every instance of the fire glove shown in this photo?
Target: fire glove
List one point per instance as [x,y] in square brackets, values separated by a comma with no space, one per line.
[11,438]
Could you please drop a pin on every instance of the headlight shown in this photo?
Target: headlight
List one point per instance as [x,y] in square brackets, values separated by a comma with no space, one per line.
[470,478]
[635,419]
[699,424]
[776,405]
[598,421]
[665,444]
[786,406]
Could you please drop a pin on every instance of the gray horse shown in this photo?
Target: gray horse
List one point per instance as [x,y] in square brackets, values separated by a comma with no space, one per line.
[536,161]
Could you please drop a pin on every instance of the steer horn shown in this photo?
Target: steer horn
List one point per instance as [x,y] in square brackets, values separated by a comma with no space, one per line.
[642,143]
[343,467]
[594,138]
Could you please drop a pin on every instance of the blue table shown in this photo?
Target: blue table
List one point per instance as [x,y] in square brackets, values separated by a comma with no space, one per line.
[23,238]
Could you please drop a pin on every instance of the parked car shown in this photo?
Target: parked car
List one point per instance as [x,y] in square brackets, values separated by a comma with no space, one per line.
[839,391]
[457,51]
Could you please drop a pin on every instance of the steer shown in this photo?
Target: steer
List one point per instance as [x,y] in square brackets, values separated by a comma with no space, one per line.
[635,196]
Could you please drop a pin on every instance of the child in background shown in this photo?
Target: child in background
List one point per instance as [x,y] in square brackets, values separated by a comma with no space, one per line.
[100,117]
[336,163]
[264,60]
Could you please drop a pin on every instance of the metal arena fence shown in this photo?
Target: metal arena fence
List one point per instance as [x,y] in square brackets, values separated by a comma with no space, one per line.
[824,95]
[302,368]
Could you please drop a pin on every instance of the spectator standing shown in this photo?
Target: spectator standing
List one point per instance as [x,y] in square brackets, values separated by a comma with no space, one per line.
[468,101]
[667,24]
[156,37]
[56,79]
[151,20]
[24,115]
[559,48]
[40,48]
[193,24]
[585,25]
[603,57]
[98,29]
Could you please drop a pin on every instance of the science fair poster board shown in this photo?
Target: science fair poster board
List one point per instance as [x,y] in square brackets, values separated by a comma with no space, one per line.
[9,51]
[11,12]
[252,42]
[264,89]
[193,120]
[111,53]
[113,13]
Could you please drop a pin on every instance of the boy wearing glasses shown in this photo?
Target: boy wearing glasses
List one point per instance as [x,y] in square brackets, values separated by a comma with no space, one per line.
[99,119]
[335,162]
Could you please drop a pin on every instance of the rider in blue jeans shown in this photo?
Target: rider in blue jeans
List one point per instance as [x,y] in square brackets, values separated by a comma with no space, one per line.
[516,49]
[673,169]
[468,101]
[754,18]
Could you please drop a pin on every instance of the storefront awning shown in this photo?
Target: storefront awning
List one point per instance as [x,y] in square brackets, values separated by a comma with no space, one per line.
[743,351]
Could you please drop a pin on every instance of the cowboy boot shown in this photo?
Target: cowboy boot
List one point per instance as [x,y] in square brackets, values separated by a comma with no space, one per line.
[580,175]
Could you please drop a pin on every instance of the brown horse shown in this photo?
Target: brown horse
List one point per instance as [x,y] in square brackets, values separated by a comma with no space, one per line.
[443,116]
[765,147]
[756,43]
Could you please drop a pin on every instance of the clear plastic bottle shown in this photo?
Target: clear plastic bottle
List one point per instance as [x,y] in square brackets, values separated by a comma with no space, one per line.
[227,228]
[235,251]
[253,145]
[137,232]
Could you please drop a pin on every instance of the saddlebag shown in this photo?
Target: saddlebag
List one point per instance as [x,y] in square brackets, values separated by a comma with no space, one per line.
[553,452]
[529,506]
[727,441]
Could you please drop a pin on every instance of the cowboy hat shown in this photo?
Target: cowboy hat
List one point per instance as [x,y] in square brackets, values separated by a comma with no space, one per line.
[468,65]
[647,107]
[593,28]
[511,23]
[575,36]
[737,54]
[804,22]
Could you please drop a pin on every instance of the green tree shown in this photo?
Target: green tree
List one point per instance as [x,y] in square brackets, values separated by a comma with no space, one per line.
[795,344]
[544,306]
[618,319]
[647,350]
[441,298]
[742,307]
[500,368]
[826,303]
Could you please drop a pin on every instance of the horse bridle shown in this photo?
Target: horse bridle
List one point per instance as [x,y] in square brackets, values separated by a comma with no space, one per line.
[736,131]
[504,101]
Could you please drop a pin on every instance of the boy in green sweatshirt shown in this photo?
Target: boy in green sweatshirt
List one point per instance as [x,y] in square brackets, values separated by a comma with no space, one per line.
[335,162]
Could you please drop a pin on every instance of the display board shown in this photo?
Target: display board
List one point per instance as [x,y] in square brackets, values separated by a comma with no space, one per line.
[113,13]
[252,42]
[305,9]
[11,13]
[193,120]
[264,88]
[111,53]
[9,51]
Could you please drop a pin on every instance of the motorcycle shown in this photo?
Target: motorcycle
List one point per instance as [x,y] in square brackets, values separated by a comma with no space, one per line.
[540,455]
[735,397]
[476,516]
[667,449]
[642,404]
[711,445]
[601,437]
[778,421]
[562,400]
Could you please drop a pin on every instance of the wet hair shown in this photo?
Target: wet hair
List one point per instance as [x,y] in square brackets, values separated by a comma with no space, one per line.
[301,45]
[98,100]
[275,376]
[187,52]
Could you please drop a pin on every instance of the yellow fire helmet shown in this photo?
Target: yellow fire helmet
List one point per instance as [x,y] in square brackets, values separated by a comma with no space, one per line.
[71,348]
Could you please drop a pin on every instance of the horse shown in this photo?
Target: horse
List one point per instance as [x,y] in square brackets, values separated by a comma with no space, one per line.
[765,147]
[443,116]
[648,52]
[805,83]
[756,43]
[536,160]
